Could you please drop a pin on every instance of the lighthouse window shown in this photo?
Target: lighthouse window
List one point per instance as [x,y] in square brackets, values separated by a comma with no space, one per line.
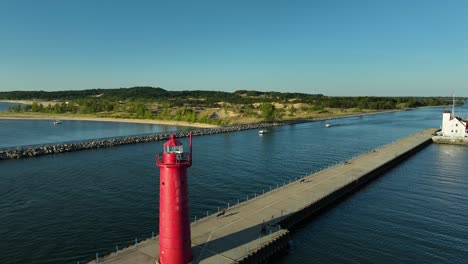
[174,149]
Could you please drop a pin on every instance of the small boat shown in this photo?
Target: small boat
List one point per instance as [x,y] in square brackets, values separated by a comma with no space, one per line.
[263,131]
[328,125]
[57,122]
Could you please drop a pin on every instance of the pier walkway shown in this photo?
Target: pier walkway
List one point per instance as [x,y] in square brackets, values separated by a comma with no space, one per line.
[254,230]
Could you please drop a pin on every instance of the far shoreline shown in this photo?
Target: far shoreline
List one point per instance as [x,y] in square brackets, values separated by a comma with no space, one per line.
[42,116]
[30,102]
[106,119]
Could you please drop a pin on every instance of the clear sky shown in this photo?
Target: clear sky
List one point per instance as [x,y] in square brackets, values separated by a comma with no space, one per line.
[347,47]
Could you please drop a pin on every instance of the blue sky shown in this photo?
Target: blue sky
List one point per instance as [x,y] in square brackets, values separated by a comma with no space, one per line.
[331,47]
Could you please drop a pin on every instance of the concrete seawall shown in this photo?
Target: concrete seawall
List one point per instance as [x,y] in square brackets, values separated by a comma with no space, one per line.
[450,140]
[255,230]
[39,150]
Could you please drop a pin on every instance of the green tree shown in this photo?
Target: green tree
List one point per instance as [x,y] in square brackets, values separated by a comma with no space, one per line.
[278,114]
[58,109]
[141,111]
[35,107]
[164,112]
[267,111]
[292,110]
[203,118]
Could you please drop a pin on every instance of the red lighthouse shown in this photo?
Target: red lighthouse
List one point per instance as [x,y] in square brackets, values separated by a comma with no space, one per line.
[174,220]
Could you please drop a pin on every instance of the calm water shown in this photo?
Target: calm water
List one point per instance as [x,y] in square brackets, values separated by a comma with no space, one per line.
[416,213]
[26,132]
[15,133]
[64,208]
[4,106]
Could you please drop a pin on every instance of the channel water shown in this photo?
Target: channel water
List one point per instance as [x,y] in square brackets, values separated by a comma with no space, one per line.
[66,208]
[14,133]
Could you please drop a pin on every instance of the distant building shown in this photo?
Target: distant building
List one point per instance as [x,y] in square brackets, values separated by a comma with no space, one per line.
[453,126]
[214,116]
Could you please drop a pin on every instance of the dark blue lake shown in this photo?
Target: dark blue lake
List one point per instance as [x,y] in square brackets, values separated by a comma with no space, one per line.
[64,208]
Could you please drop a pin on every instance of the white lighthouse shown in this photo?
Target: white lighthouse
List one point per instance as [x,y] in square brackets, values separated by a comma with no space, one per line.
[453,126]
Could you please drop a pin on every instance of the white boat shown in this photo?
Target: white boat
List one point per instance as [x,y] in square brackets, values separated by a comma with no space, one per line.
[328,125]
[57,122]
[263,131]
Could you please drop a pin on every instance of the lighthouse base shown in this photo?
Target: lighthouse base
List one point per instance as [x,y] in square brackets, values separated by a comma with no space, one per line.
[158,261]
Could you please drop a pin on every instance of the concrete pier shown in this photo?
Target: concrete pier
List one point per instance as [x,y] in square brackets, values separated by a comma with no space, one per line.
[255,230]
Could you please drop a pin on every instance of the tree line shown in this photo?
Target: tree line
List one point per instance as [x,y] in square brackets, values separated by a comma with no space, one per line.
[212,98]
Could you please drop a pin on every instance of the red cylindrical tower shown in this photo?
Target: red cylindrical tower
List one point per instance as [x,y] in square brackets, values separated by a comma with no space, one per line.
[174,220]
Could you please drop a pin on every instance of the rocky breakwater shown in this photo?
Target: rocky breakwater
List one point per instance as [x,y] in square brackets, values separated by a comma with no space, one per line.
[33,151]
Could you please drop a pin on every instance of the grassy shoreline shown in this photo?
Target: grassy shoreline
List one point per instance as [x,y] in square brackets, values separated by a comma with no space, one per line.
[232,115]
[93,117]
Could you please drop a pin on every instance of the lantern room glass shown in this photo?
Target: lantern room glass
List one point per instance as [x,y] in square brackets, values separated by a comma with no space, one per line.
[174,149]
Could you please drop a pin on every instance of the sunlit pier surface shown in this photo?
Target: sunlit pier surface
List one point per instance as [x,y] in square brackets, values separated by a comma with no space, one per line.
[256,229]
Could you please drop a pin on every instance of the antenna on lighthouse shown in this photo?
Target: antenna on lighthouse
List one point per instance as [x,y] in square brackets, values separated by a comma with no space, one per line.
[453,104]
[190,135]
